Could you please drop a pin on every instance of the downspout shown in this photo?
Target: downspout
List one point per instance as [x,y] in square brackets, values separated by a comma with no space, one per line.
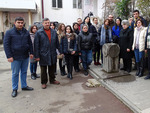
[42,9]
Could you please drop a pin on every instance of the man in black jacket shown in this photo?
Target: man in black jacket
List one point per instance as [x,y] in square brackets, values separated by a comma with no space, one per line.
[45,45]
[18,46]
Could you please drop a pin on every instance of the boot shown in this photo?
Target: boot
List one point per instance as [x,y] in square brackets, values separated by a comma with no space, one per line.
[135,66]
[141,72]
[63,70]
[138,69]
[141,67]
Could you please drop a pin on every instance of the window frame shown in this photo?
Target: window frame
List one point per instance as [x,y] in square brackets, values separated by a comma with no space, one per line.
[77,5]
[57,4]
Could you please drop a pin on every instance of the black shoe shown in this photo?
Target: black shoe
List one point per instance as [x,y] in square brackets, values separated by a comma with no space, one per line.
[85,72]
[69,76]
[37,76]
[77,70]
[147,77]
[14,93]
[33,76]
[123,69]
[27,88]
[88,67]
[62,74]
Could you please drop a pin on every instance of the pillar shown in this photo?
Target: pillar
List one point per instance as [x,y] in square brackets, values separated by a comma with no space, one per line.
[30,17]
[1,22]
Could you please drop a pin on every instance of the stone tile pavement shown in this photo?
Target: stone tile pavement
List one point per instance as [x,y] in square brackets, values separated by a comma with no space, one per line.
[130,89]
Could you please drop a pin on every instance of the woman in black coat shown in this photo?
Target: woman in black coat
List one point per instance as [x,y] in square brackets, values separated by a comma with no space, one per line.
[76,56]
[68,47]
[126,39]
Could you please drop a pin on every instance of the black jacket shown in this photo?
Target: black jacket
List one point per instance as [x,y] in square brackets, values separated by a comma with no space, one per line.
[45,50]
[64,49]
[17,44]
[85,41]
[126,41]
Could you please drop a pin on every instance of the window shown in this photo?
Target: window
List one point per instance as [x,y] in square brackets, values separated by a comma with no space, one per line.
[74,4]
[57,3]
[77,4]
[80,4]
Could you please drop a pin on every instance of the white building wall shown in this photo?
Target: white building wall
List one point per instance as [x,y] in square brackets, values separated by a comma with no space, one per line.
[36,17]
[66,15]
[94,6]
[100,10]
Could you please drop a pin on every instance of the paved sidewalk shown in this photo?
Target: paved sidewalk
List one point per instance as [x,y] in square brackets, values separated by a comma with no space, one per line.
[71,96]
[131,90]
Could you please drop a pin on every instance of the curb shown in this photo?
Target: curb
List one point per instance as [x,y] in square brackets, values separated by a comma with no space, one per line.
[122,98]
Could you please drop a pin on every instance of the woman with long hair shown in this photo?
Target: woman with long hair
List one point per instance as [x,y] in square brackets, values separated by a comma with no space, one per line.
[33,62]
[116,30]
[105,34]
[61,34]
[68,47]
[76,56]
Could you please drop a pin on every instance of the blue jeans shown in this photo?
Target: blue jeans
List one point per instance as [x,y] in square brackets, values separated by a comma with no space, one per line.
[138,55]
[86,56]
[33,67]
[16,67]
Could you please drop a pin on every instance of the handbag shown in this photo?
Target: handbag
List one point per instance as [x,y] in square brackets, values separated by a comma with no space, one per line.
[59,56]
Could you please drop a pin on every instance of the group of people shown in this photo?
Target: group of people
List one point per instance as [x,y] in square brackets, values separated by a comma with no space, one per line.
[80,42]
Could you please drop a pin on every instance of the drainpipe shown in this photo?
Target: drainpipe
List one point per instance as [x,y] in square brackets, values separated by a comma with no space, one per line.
[42,9]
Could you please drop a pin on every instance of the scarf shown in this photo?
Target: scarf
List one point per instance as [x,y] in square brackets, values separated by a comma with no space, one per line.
[69,35]
[103,35]
[60,35]
[135,21]
[97,26]
[137,37]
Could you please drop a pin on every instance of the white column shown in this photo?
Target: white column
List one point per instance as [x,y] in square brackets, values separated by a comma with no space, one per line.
[30,17]
[1,22]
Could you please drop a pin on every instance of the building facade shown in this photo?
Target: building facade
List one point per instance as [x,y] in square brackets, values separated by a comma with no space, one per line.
[30,10]
[67,11]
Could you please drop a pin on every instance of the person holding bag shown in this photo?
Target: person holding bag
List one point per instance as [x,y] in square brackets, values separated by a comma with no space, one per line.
[68,47]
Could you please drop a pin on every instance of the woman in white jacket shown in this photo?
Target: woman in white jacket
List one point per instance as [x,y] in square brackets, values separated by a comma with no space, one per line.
[139,46]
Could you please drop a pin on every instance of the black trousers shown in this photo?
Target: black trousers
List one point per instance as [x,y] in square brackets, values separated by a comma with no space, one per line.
[69,60]
[148,53]
[127,62]
[62,68]
[44,77]
[76,62]
[97,51]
